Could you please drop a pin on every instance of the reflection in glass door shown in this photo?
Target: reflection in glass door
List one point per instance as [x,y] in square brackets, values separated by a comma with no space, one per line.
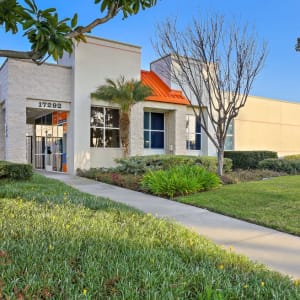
[49,147]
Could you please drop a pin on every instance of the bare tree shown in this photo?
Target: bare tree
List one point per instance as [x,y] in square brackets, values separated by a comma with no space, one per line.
[214,63]
[297,47]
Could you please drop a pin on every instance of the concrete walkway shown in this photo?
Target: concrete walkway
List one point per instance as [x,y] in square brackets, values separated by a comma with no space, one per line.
[277,250]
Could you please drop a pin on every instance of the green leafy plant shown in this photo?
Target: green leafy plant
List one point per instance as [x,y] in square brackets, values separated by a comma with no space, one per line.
[179,180]
[15,170]
[48,34]
[292,157]
[142,164]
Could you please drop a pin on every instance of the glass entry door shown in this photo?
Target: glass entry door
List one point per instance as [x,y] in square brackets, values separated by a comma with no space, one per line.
[50,141]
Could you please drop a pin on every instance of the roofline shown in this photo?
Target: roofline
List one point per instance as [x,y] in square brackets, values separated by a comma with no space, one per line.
[31,62]
[277,100]
[169,95]
[160,58]
[174,55]
[164,82]
[113,41]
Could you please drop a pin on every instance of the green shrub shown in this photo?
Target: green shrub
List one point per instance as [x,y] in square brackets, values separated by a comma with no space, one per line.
[248,159]
[15,170]
[281,165]
[179,180]
[292,157]
[3,168]
[142,164]
[210,163]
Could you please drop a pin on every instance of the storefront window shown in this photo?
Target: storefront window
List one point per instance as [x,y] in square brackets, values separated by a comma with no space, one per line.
[105,130]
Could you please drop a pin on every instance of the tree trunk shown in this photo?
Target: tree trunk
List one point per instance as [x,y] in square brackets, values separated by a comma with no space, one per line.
[124,132]
[220,161]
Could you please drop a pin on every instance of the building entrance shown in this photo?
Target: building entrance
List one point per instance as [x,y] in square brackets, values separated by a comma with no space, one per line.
[50,142]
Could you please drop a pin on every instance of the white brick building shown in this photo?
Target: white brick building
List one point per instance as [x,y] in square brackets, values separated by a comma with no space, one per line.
[48,118]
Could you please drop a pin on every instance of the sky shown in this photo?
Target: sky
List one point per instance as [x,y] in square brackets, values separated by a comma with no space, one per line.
[276,22]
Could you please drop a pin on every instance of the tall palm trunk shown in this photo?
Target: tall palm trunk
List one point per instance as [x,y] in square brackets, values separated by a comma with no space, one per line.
[124,131]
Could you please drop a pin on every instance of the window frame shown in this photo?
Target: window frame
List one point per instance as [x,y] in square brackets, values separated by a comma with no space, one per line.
[195,133]
[229,135]
[104,127]
[150,130]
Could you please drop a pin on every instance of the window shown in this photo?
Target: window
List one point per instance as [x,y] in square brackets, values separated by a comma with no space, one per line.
[154,130]
[229,138]
[105,129]
[193,132]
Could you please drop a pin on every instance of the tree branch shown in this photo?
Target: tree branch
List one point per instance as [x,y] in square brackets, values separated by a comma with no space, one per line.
[20,54]
[112,12]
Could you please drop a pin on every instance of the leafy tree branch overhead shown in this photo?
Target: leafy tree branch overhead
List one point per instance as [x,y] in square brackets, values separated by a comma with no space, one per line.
[49,35]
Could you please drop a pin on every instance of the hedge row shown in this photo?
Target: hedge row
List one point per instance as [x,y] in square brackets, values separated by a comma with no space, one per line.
[142,164]
[248,159]
[15,170]
[292,157]
[281,165]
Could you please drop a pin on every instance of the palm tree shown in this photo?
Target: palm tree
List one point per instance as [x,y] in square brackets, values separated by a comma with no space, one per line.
[125,93]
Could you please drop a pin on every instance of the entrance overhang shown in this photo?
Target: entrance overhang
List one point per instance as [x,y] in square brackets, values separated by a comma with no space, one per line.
[38,107]
[47,133]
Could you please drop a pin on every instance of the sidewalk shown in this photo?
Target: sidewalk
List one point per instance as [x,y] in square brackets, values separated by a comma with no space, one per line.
[279,251]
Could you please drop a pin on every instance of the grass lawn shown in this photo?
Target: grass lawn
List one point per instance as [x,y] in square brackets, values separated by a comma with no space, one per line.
[274,202]
[59,243]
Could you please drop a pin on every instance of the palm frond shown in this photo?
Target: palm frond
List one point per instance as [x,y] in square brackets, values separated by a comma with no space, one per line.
[123,92]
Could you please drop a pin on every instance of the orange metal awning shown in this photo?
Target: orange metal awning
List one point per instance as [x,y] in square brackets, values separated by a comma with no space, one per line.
[160,91]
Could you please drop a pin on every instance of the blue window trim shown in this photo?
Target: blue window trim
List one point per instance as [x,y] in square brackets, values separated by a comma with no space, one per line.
[150,142]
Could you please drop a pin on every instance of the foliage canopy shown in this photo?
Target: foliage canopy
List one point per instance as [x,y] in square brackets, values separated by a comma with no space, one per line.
[48,34]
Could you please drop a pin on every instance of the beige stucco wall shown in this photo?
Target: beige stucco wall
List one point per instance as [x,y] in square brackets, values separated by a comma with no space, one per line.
[174,127]
[175,133]
[267,124]
[93,62]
